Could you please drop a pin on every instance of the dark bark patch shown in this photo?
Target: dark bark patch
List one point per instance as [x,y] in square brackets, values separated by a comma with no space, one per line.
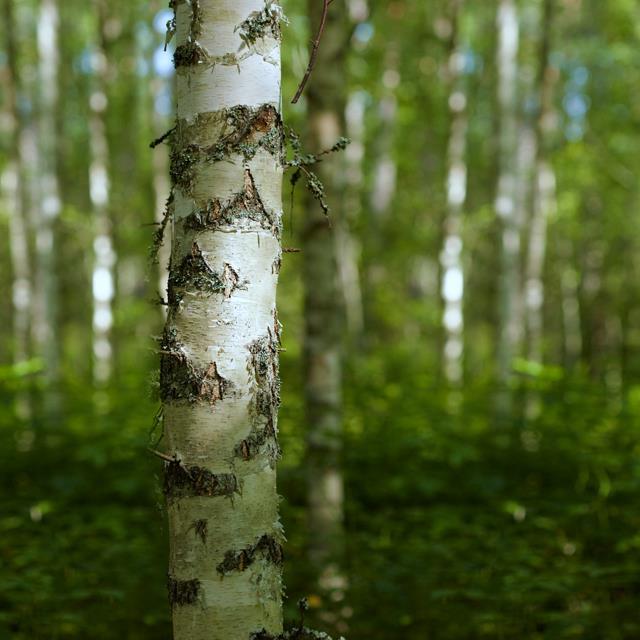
[260,440]
[182,164]
[181,481]
[240,129]
[264,367]
[245,205]
[195,273]
[267,547]
[183,592]
[181,380]
[189,54]
[201,529]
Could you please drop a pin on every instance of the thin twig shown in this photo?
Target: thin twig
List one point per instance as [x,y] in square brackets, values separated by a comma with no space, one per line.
[164,456]
[162,138]
[314,50]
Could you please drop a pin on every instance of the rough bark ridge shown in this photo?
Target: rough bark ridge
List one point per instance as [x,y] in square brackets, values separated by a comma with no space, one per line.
[323,312]
[219,372]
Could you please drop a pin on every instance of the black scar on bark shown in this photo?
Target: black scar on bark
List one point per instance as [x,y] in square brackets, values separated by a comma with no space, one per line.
[182,592]
[264,366]
[201,529]
[244,205]
[184,481]
[267,547]
[260,440]
[181,380]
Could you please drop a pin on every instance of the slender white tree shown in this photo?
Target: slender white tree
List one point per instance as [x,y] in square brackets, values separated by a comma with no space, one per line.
[45,307]
[544,192]
[104,257]
[14,188]
[505,203]
[219,352]
[452,286]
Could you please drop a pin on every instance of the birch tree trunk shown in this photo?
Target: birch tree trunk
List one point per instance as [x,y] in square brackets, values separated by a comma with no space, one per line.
[12,181]
[505,204]
[452,286]
[45,309]
[544,194]
[219,365]
[323,311]
[104,256]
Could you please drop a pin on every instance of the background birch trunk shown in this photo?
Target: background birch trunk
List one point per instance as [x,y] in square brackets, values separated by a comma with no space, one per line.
[45,304]
[452,286]
[219,365]
[104,257]
[505,203]
[13,185]
[323,309]
[544,193]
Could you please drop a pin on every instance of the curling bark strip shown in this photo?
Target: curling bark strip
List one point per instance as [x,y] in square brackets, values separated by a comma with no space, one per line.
[219,373]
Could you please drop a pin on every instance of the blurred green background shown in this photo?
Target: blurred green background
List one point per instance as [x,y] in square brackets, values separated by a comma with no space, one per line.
[461,520]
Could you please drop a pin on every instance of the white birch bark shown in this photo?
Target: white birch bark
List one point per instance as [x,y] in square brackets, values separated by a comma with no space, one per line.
[219,367]
[452,286]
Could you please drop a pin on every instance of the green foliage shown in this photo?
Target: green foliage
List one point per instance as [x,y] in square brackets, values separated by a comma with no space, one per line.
[459,524]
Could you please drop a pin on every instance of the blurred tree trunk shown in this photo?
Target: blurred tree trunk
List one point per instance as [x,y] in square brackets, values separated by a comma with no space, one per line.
[452,285]
[219,365]
[509,307]
[104,257]
[349,247]
[45,304]
[544,193]
[14,181]
[323,311]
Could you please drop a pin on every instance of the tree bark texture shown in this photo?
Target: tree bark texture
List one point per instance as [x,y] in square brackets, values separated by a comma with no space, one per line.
[219,351]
